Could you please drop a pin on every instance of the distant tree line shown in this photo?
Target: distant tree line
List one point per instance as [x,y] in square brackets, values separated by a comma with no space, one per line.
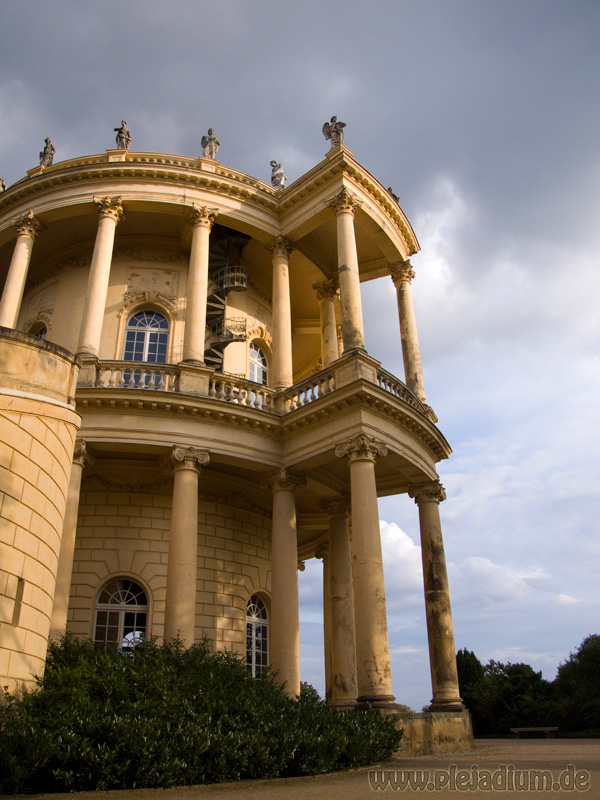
[504,696]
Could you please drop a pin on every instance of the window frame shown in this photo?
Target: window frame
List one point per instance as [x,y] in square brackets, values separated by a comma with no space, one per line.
[120,611]
[257,637]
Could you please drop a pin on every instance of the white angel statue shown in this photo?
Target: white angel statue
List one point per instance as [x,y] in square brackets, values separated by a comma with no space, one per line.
[210,145]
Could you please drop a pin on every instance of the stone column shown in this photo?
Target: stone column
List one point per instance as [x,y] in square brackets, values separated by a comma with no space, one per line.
[402,275]
[111,211]
[285,624]
[194,336]
[344,205]
[370,618]
[442,655]
[344,688]
[27,227]
[282,372]
[322,553]
[180,607]
[62,591]
[326,294]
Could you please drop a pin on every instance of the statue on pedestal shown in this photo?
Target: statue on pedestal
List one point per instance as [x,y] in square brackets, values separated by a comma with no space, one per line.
[334,130]
[2,185]
[278,178]
[47,153]
[123,136]
[210,145]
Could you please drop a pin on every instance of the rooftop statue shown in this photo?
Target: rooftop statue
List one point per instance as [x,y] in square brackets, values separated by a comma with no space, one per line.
[278,178]
[210,145]
[123,136]
[334,130]
[47,153]
[2,185]
[395,196]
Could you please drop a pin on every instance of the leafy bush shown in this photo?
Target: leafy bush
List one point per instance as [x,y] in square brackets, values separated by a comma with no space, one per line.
[162,716]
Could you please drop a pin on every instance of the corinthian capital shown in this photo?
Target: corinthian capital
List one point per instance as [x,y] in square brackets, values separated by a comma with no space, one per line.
[280,246]
[81,455]
[282,479]
[189,458]
[335,505]
[344,201]
[326,290]
[402,271]
[110,207]
[362,447]
[203,216]
[428,493]
[28,224]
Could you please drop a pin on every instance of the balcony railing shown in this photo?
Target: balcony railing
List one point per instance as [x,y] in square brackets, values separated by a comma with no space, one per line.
[130,375]
[237,389]
[231,329]
[231,278]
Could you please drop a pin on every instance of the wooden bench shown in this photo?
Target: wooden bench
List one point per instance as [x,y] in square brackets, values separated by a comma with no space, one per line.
[549,731]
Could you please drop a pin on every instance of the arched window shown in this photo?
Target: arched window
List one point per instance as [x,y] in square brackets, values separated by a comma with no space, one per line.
[258,365]
[257,636]
[40,331]
[121,615]
[146,338]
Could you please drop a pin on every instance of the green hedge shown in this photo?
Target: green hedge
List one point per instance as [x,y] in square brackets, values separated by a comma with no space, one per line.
[164,716]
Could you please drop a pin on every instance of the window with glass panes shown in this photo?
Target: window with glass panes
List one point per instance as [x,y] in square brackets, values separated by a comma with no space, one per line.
[258,365]
[147,338]
[121,615]
[257,636]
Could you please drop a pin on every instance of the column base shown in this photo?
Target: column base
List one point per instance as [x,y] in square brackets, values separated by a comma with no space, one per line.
[383,701]
[451,705]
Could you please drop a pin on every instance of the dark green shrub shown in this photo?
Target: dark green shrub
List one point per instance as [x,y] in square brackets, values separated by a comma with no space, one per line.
[163,716]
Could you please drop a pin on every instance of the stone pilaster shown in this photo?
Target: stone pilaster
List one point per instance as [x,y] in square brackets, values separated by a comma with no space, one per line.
[110,210]
[27,228]
[326,294]
[180,607]
[282,372]
[370,618]
[402,275]
[285,624]
[344,688]
[344,205]
[58,621]
[442,655]
[194,338]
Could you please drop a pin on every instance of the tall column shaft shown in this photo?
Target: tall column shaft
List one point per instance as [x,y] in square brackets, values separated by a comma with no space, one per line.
[58,620]
[344,687]
[370,618]
[282,372]
[180,607]
[440,633]
[353,332]
[12,296]
[194,338]
[90,333]
[285,620]
[326,293]
[402,274]
[323,553]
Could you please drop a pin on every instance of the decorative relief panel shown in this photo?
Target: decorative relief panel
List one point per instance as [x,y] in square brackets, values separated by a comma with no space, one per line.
[151,286]
[40,307]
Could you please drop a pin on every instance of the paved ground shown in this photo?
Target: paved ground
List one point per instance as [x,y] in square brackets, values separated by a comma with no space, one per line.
[498,767]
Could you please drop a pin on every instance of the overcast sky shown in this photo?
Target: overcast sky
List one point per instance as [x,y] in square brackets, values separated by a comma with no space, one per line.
[484,117]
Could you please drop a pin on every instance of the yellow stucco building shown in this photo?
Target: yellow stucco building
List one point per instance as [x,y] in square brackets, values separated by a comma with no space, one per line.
[188,412]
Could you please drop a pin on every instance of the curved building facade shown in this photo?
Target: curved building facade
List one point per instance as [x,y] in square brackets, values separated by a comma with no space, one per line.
[230,423]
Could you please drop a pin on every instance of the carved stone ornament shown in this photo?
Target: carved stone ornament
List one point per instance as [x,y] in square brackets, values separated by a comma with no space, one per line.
[28,224]
[151,286]
[301,566]
[428,492]
[402,271]
[203,216]
[344,201]
[110,207]
[282,479]
[335,505]
[261,333]
[81,455]
[361,447]
[280,246]
[322,551]
[189,458]
[326,290]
